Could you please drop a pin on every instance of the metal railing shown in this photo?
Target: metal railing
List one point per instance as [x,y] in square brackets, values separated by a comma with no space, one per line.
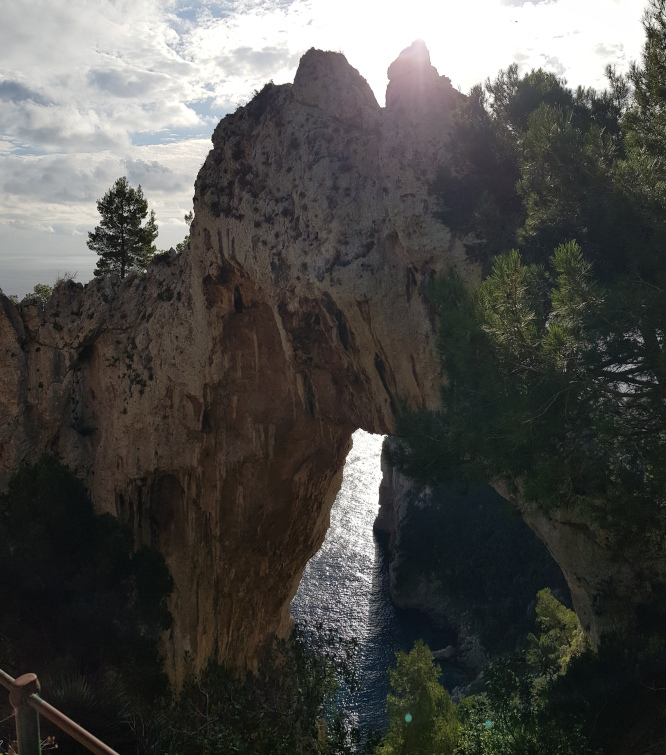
[28,705]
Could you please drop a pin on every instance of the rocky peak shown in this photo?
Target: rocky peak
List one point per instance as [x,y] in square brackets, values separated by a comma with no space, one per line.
[415,84]
[413,60]
[325,80]
[210,403]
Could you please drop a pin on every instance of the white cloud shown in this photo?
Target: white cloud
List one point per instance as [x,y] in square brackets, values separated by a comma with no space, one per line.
[48,204]
[93,91]
[85,76]
[523,2]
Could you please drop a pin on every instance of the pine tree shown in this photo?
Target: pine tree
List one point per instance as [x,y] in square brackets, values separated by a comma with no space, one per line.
[646,120]
[422,717]
[123,244]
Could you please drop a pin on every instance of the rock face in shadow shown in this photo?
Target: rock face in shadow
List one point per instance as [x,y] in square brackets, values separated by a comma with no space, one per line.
[210,403]
[616,587]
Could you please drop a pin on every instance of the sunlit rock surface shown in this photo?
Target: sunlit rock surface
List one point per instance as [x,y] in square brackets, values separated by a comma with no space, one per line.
[211,402]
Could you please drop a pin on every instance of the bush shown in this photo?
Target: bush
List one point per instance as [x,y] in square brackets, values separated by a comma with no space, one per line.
[73,589]
[422,718]
[288,708]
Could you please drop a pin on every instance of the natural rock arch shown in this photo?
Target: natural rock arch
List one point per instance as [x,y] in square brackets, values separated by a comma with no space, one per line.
[211,402]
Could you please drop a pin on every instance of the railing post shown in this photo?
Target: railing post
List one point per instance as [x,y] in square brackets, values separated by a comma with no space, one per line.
[27,719]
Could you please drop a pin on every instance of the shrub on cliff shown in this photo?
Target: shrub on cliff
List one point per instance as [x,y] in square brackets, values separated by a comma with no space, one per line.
[288,708]
[562,638]
[514,715]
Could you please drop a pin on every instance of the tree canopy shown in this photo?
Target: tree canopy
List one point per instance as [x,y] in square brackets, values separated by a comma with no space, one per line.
[556,363]
[122,243]
[422,718]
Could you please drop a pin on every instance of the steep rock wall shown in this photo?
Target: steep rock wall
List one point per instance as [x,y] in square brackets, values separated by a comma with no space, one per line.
[398,497]
[210,403]
[615,586]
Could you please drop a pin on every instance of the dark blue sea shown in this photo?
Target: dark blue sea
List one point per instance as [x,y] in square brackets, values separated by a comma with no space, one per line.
[345,587]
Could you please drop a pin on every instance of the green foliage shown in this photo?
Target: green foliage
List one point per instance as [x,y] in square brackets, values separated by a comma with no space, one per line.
[422,718]
[561,638]
[565,183]
[618,696]
[99,706]
[512,717]
[490,187]
[645,121]
[122,243]
[521,711]
[288,708]
[476,186]
[555,380]
[515,714]
[184,245]
[76,598]
[42,291]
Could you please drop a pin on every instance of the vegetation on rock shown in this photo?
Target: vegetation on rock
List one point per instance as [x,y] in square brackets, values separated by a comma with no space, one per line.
[81,608]
[556,363]
[422,718]
[514,714]
[122,243]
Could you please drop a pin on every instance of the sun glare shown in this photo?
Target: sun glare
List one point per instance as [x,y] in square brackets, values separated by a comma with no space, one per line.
[453,33]
[471,41]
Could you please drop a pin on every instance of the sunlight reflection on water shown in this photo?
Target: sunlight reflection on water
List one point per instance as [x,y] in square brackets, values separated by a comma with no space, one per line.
[345,586]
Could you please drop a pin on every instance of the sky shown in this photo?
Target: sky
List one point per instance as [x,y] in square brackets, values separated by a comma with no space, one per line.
[91,90]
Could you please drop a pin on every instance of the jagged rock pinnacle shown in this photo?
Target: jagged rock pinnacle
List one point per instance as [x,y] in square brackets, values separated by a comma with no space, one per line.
[412,59]
[325,80]
[414,83]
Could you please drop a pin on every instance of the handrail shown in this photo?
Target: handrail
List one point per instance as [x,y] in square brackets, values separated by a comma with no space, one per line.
[28,705]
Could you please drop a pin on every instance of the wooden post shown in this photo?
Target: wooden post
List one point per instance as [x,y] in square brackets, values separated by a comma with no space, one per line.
[27,719]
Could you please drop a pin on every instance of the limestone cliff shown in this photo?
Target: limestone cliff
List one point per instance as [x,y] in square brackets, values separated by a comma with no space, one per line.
[210,403]
[612,583]
[422,591]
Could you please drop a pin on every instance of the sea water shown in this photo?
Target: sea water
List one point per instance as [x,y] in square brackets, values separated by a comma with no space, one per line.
[345,587]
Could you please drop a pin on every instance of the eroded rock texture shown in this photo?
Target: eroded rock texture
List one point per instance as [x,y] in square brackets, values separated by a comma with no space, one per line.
[211,402]
[616,587]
